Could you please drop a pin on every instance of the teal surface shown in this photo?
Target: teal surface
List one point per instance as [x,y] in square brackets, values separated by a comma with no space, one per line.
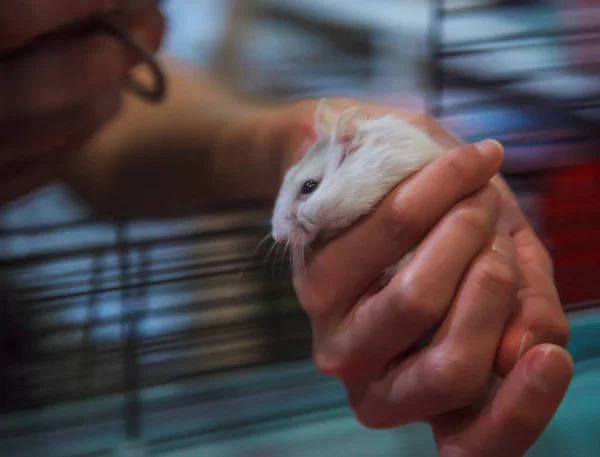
[574,431]
[284,411]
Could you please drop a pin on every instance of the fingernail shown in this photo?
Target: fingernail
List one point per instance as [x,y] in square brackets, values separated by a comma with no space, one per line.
[548,369]
[489,148]
[504,246]
[527,342]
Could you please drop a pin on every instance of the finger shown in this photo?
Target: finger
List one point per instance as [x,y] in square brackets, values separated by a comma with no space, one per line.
[438,264]
[22,21]
[57,131]
[66,71]
[398,224]
[455,368]
[539,317]
[23,176]
[519,411]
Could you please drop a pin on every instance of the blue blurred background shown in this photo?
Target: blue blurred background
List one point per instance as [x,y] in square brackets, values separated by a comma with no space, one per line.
[173,336]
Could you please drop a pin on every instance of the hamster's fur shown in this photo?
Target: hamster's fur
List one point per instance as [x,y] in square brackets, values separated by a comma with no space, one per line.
[353,164]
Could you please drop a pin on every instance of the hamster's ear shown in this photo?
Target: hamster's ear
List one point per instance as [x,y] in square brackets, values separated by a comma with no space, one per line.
[348,125]
[325,117]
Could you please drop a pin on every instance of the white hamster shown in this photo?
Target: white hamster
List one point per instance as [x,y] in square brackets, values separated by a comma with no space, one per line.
[354,163]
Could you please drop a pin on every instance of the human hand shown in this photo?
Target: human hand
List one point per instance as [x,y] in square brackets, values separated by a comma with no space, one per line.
[512,418]
[538,317]
[362,335]
[58,84]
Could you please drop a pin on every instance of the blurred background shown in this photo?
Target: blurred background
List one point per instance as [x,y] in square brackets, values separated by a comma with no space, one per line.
[173,339]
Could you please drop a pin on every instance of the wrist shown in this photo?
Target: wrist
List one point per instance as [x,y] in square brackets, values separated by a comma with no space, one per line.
[288,131]
[247,154]
[266,141]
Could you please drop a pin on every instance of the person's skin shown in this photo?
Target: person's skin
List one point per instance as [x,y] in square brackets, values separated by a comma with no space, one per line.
[183,159]
[206,149]
[53,94]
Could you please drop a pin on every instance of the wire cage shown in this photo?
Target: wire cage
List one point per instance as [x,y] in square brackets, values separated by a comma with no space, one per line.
[532,81]
[174,334]
[133,309]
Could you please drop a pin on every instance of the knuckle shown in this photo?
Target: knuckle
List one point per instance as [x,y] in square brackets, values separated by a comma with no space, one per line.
[410,298]
[474,219]
[496,276]
[400,208]
[450,376]
[460,161]
[317,302]
[402,217]
[370,406]
[331,365]
[374,420]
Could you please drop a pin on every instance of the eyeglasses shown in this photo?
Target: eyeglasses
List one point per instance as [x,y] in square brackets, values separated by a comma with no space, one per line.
[156,92]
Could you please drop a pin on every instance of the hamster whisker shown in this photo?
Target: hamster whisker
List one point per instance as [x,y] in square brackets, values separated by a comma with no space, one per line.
[266,259]
[289,253]
[281,261]
[261,243]
[295,258]
[303,258]
[269,260]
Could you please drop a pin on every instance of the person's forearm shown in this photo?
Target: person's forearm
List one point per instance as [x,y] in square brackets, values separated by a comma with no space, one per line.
[198,151]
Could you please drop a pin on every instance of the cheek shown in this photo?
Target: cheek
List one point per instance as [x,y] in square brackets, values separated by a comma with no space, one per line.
[302,208]
[309,210]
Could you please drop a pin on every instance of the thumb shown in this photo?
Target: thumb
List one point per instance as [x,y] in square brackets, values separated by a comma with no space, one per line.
[519,411]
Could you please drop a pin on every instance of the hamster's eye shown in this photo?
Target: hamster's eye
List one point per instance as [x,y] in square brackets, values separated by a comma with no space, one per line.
[309,187]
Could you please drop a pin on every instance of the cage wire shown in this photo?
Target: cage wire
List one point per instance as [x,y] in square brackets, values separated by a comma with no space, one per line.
[532,81]
[133,333]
